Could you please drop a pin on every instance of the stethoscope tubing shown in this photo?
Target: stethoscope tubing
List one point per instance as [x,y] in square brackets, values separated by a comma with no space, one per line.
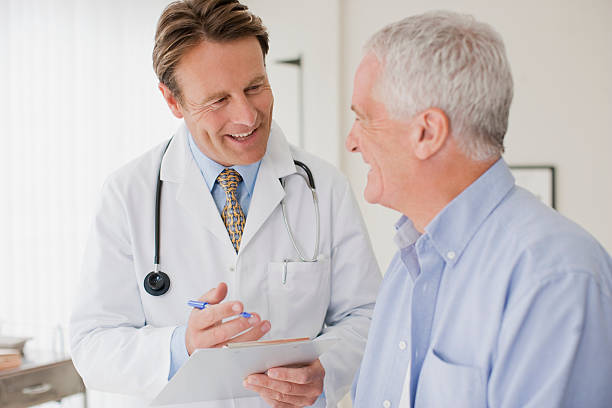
[161,281]
[315,201]
[158,191]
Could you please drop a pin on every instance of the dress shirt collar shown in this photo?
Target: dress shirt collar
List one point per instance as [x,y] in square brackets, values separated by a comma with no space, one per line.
[452,229]
[406,234]
[210,169]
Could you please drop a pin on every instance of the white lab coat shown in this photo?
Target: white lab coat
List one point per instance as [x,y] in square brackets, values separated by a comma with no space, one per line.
[121,335]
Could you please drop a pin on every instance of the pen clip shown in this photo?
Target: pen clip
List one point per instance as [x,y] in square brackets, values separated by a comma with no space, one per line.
[284,276]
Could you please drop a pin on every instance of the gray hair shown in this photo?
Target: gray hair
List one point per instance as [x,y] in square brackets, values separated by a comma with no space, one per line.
[452,62]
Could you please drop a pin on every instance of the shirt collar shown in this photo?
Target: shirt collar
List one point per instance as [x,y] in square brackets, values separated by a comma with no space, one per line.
[210,169]
[406,234]
[456,224]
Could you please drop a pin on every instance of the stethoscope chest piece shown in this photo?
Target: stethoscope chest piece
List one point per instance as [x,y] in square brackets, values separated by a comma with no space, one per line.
[156,283]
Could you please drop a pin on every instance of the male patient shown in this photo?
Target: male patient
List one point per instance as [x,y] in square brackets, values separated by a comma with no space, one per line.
[493,298]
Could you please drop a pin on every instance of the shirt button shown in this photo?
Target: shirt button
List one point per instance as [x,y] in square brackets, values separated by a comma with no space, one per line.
[450,254]
[402,345]
[232,269]
[387,404]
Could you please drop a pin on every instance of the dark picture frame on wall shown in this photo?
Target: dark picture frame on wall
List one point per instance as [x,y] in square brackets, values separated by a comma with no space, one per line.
[538,179]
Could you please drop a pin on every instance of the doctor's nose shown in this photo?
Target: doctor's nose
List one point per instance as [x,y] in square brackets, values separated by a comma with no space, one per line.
[243,112]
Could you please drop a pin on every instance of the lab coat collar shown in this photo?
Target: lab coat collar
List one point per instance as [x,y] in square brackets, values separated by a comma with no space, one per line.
[178,166]
[177,156]
[276,164]
[278,158]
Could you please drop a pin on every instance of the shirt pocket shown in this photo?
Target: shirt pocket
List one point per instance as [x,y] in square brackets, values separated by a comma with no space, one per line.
[299,295]
[446,384]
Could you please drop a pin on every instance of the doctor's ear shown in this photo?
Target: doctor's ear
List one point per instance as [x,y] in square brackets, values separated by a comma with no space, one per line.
[171,100]
[434,128]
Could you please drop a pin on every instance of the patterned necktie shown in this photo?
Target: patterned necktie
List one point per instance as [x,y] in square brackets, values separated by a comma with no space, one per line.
[232,214]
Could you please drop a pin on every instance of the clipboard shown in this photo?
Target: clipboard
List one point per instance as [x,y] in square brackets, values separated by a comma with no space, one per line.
[217,373]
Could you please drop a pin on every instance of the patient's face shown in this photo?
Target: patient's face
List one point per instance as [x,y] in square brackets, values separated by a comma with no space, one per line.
[380,139]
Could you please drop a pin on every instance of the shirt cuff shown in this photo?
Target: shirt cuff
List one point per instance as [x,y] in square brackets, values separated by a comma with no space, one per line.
[178,350]
[320,402]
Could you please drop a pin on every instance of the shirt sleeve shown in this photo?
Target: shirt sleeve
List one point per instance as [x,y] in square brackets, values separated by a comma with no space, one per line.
[553,348]
[178,350]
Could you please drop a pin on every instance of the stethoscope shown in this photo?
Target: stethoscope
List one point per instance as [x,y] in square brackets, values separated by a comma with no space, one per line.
[156,283]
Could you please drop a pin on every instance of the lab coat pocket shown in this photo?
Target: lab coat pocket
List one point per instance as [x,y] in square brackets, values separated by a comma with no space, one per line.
[299,294]
[445,384]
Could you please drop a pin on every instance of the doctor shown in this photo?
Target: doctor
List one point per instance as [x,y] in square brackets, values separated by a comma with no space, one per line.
[223,177]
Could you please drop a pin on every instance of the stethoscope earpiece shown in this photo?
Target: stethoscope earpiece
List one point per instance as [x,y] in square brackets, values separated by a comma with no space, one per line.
[156,283]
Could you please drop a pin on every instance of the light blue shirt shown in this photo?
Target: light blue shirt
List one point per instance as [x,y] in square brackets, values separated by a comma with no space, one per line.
[210,170]
[500,302]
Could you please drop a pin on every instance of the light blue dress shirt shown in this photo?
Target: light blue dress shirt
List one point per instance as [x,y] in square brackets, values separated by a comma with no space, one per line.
[501,302]
[210,170]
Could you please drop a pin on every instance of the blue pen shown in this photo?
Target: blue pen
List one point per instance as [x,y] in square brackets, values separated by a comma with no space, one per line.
[197,304]
[202,305]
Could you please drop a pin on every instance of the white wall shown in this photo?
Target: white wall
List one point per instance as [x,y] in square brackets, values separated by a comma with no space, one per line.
[310,29]
[561,57]
[79,99]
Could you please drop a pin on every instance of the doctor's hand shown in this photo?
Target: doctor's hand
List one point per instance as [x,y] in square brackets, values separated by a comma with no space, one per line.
[206,330]
[287,386]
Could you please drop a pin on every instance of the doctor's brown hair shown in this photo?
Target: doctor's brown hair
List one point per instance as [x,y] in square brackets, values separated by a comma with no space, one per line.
[186,23]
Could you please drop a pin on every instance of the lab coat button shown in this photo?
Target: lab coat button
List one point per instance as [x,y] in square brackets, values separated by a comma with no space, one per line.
[387,404]
[402,345]
[232,269]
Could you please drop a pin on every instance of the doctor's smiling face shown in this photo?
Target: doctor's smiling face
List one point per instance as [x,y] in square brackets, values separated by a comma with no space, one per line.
[225,99]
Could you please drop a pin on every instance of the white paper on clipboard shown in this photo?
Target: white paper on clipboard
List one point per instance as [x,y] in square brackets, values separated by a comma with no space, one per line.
[217,374]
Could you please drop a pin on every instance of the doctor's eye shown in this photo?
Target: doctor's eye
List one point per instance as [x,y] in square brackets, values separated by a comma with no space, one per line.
[217,103]
[253,88]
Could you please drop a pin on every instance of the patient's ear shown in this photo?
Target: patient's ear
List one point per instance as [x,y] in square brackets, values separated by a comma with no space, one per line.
[434,128]
[172,102]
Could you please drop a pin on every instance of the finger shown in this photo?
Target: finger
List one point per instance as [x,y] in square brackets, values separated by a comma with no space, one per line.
[213,314]
[301,375]
[276,404]
[285,387]
[278,399]
[220,335]
[205,329]
[257,332]
[215,295]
